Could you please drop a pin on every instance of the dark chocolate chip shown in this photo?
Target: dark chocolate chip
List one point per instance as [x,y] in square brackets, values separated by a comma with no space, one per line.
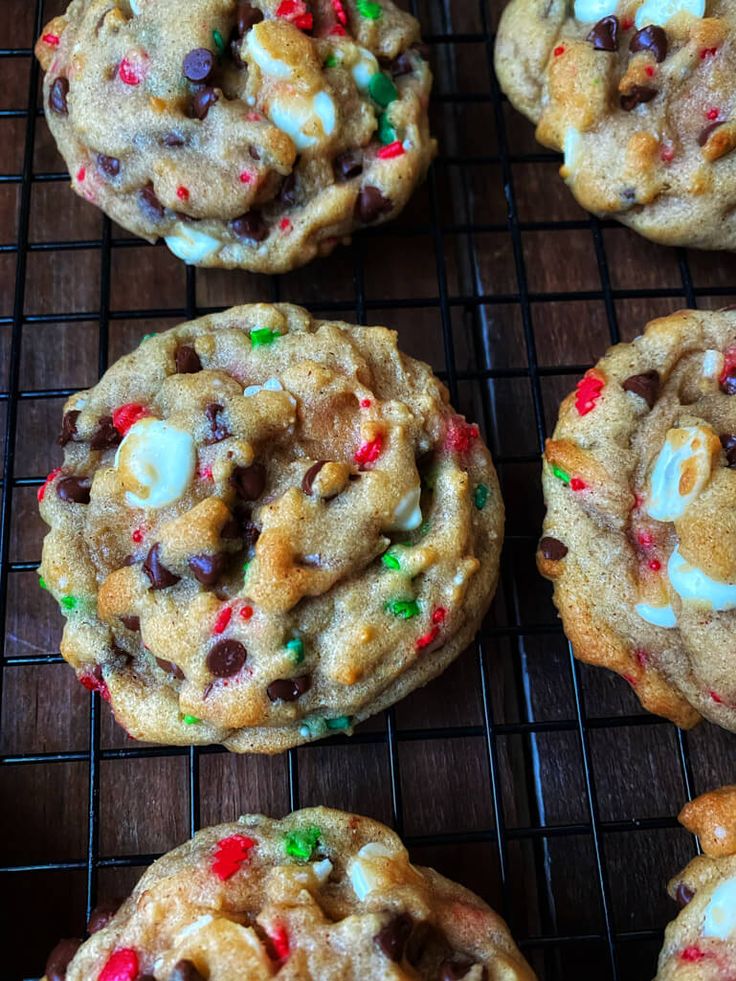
[635,97]
[683,894]
[646,385]
[185,971]
[255,153]
[102,914]
[457,968]
[552,548]
[249,482]
[604,35]
[231,529]
[728,442]
[74,489]
[131,622]
[68,427]
[236,46]
[108,165]
[308,478]
[198,65]
[150,204]
[187,360]
[226,658]
[57,96]
[173,140]
[105,435]
[60,958]
[652,39]
[348,165]
[158,574]
[247,16]
[202,101]
[392,938]
[170,667]
[250,227]
[288,689]
[287,193]
[207,569]
[401,65]
[704,134]
[371,204]
[218,426]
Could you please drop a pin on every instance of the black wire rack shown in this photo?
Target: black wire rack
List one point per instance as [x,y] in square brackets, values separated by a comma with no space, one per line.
[555,871]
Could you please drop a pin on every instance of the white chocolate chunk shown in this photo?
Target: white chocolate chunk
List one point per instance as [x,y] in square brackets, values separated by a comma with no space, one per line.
[571,150]
[135,6]
[266,61]
[693,585]
[191,245]
[660,616]
[712,364]
[271,385]
[720,913]
[192,927]
[684,460]
[156,463]
[407,513]
[322,869]
[589,11]
[364,69]
[660,11]
[365,869]
[307,120]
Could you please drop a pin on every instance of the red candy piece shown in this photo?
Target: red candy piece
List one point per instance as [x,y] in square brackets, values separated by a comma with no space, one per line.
[41,492]
[127,415]
[439,615]
[577,484]
[692,955]
[122,965]
[588,392]
[92,683]
[342,17]
[280,942]
[129,73]
[655,565]
[426,639]
[460,435]
[296,12]
[395,149]
[650,70]
[246,612]
[231,853]
[369,452]
[712,113]
[560,49]
[137,536]
[182,193]
[365,403]
[81,174]
[223,619]
[51,39]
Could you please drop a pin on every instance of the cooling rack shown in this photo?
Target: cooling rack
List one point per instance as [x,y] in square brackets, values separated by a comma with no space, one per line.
[536,781]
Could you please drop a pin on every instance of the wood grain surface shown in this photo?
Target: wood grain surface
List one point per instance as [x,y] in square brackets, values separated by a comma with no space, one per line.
[536,782]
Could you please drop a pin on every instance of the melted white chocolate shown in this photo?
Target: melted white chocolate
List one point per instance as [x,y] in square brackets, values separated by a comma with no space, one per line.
[693,585]
[156,463]
[685,460]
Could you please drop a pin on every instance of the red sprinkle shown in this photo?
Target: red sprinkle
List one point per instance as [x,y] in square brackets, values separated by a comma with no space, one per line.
[338,31]
[92,683]
[645,539]
[560,49]
[246,177]
[638,501]
[627,23]
[246,612]
[460,435]
[296,12]
[708,53]
[285,225]
[53,40]
[122,965]
[365,403]
[137,536]
[426,639]
[395,149]
[253,117]
[129,73]
[369,452]
[712,113]
[642,657]
[630,678]
[716,697]
[649,70]
[577,484]
[223,619]
[128,415]
[81,174]
[339,9]
[691,955]
[231,853]
[439,615]
[667,153]
[588,392]
[41,492]
[182,193]
[280,942]
[655,565]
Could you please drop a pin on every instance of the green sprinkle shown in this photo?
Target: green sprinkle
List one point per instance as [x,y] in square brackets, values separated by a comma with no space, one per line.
[147,336]
[263,336]
[560,474]
[331,61]
[386,132]
[42,582]
[382,89]
[339,722]
[295,648]
[369,9]
[313,728]
[69,602]
[405,609]
[246,566]
[480,496]
[301,843]
[219,43]
[190,720]
[390,561]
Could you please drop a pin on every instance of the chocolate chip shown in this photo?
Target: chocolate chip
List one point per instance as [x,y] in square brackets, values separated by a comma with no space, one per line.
[371,204]
[202,101]
[150,204]
[604,35]
[198,65]
[105,435]
[57,96]
[187,360]
[728,442]
[158,574]
[226,658]
[68,427]
[457,968]
[254,152]
[728,385]
[173,140]
[251,534]
[288,689]
[348,165]
[683,894]
[287,193]
[74,489]
[131,622]
[170,667]
[637,95]
[185,971]
[247,16]
[102,914]
[249,482]
[704,134]
[250,227]
[652,39]
[207,569]
[218,426]
[308,478]
[236,45]
[552,548]
[60,958]
[392,938]
[231,529]
[645,385]
[108,165]
[401,65]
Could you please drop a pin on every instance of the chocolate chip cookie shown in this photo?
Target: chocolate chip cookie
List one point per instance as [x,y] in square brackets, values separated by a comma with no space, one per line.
[639,97]
[640,534]
[321,894]
[245,134]
[700,945]
[265,529]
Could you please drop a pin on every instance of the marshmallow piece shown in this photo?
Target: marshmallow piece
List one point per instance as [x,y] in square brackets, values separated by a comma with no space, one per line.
[720,913]
[589,11]
[693,585]
[365,869]
[659,616]
[306,120]
[364,69]
[407,513]
[156,463]
[680,472]
[660,11]
[191,245]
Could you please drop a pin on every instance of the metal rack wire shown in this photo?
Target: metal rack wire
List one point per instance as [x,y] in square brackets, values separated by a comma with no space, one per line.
[558,945]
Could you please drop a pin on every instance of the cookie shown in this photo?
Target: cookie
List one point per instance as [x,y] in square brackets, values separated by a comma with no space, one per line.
[322,894]
[265,529]
[700,945]
[245,134]
[640,534]
[639,97]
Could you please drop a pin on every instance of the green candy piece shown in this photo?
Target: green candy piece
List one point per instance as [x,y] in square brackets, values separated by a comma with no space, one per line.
[339,722]
[405,609]
[190,720]
[301,843]
[390,561]
[560,474]
[219,43]
[70,602]
[480,497]
[42,582]
[295,648]
[386,132]
[263,336]
[369,9]
[331,61]
[382,89]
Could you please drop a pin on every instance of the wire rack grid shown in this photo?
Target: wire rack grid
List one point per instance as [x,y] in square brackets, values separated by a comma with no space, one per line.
[572,853]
